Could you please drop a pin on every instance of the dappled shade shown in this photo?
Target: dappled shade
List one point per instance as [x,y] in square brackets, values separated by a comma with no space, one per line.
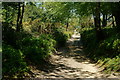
[60,40]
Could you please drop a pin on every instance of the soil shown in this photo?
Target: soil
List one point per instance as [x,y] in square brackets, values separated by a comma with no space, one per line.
[70,63]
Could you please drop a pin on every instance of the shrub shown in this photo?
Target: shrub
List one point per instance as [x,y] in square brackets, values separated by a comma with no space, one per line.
[13,62]
[36,49]
[60,37]
[10,36]
[111,64]
[68,34]
[107,50]
[116,45]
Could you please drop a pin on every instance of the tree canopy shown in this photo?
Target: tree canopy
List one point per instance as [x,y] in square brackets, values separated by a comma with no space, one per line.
[33,31]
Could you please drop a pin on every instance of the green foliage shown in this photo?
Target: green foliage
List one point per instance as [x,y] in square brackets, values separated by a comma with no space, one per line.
[41,18]
[107,50]
[110,64]
[13,61]
[60,37]
[68,34]
[58,11]
[88,36]
[116,45]
[36,49]
[9,10]
[113,64]
[32,12]
[10,36]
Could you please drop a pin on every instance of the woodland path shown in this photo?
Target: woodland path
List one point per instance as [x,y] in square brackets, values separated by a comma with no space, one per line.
[70,63]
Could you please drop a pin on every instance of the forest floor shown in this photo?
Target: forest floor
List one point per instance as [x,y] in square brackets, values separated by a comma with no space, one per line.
[70,63]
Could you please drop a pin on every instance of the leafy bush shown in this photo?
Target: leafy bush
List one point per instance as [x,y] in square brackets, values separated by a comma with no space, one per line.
[13,62]
[106,51]
[116,45]
[110,64]
[68,33]
[60,37]
[10,36]
[36,49]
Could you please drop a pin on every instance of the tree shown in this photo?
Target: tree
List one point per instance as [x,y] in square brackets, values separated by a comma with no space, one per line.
[9,11]
[20,16]
[116,13]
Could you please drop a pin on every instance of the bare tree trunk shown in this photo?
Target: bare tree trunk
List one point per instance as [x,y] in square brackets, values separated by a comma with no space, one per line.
[97,14]
[104,22]
[113,21]
[117,19]
[67,26]
[116,14]
[18,18]
[97,20]
[22,16]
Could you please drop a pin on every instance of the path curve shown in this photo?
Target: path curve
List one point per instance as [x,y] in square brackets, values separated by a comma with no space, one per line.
[69,62]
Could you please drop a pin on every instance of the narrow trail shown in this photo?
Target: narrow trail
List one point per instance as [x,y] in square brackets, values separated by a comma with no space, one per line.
[69,62]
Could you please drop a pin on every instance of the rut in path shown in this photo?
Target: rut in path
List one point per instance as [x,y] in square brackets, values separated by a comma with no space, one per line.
[70,62]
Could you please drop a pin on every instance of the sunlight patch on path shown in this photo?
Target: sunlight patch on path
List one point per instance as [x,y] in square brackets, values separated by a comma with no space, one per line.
[70,63]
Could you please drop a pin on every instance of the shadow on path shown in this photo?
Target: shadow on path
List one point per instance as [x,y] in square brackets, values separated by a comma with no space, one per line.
[69,62]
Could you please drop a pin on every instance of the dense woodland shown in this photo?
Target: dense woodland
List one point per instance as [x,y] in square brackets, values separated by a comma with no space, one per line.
[33,31]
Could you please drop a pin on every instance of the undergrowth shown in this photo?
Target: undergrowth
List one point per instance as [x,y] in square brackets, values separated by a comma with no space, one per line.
[106,52]
[22,48]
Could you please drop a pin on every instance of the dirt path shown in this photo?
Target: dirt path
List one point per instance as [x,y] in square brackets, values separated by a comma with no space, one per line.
[70,63]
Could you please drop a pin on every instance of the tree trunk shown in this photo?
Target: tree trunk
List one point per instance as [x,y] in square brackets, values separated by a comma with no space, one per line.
[67,26]
[18,18]
[99,33]
[97,14]
[104,22]
[117,19]
[116,14]
[113,21]
[22,16]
